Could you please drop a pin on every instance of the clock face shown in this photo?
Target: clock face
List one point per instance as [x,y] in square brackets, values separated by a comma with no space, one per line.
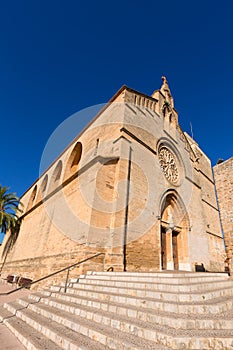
[168,165]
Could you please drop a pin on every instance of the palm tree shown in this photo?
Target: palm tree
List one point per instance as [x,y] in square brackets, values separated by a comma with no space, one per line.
[9,221]
[9,207]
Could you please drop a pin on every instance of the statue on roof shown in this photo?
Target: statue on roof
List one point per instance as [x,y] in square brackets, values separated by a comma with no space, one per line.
[166,92]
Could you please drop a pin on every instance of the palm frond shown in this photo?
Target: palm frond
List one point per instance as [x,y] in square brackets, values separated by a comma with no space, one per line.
[9,208]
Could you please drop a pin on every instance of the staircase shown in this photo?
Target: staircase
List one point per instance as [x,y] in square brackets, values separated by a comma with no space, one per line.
[126,311]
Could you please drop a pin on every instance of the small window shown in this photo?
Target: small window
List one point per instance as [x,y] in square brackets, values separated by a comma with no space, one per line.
[42,190]
[32,198]
[73,161]
[55,179]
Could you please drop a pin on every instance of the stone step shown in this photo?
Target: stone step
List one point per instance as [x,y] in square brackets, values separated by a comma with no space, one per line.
[147,331]
[4,313]
[77,305]
[57,333]
[167,273]
[164,287]
[65,329]
[159,277]
[160,274]
[127,311]
[217,305]
[168,295]
[28,336]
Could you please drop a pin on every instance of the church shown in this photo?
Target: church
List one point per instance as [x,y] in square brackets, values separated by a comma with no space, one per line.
[132,185]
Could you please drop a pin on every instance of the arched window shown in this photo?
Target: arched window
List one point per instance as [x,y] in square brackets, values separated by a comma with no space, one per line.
[42,189]
[55,179]
[73,161]
[32,198]
[44,185]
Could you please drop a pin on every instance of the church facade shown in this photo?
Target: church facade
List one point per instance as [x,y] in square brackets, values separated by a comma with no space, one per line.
[132,185]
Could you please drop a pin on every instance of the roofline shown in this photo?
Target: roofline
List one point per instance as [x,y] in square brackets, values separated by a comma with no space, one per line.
[224,162]
[76,137]
[123,87]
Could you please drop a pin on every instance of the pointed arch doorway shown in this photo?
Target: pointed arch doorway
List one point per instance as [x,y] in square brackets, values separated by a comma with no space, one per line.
[174,233]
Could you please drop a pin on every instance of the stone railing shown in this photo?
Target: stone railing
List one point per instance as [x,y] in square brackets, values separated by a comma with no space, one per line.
[145,102]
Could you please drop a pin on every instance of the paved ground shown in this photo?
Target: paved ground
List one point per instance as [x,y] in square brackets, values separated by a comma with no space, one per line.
[7,340]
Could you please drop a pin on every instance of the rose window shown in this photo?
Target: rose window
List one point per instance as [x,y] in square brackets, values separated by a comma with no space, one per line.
[167,162]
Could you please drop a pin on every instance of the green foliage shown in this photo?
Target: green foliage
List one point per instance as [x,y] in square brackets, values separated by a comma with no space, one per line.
[9,209]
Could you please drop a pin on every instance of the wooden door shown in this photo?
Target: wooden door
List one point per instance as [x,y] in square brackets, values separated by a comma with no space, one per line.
[163,249]
[175,250]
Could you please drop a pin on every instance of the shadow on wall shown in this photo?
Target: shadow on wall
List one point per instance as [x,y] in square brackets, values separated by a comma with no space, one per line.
[10,242]
[200,267]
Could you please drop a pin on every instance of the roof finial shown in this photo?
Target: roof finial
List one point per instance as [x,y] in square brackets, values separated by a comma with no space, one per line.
[166,92]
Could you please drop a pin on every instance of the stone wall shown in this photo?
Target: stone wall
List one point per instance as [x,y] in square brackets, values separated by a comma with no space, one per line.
[223,174]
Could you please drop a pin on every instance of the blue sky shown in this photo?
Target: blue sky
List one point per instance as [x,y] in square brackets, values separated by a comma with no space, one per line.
[58,57]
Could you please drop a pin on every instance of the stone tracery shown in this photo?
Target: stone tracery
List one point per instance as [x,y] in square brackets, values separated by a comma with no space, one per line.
[168,164]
